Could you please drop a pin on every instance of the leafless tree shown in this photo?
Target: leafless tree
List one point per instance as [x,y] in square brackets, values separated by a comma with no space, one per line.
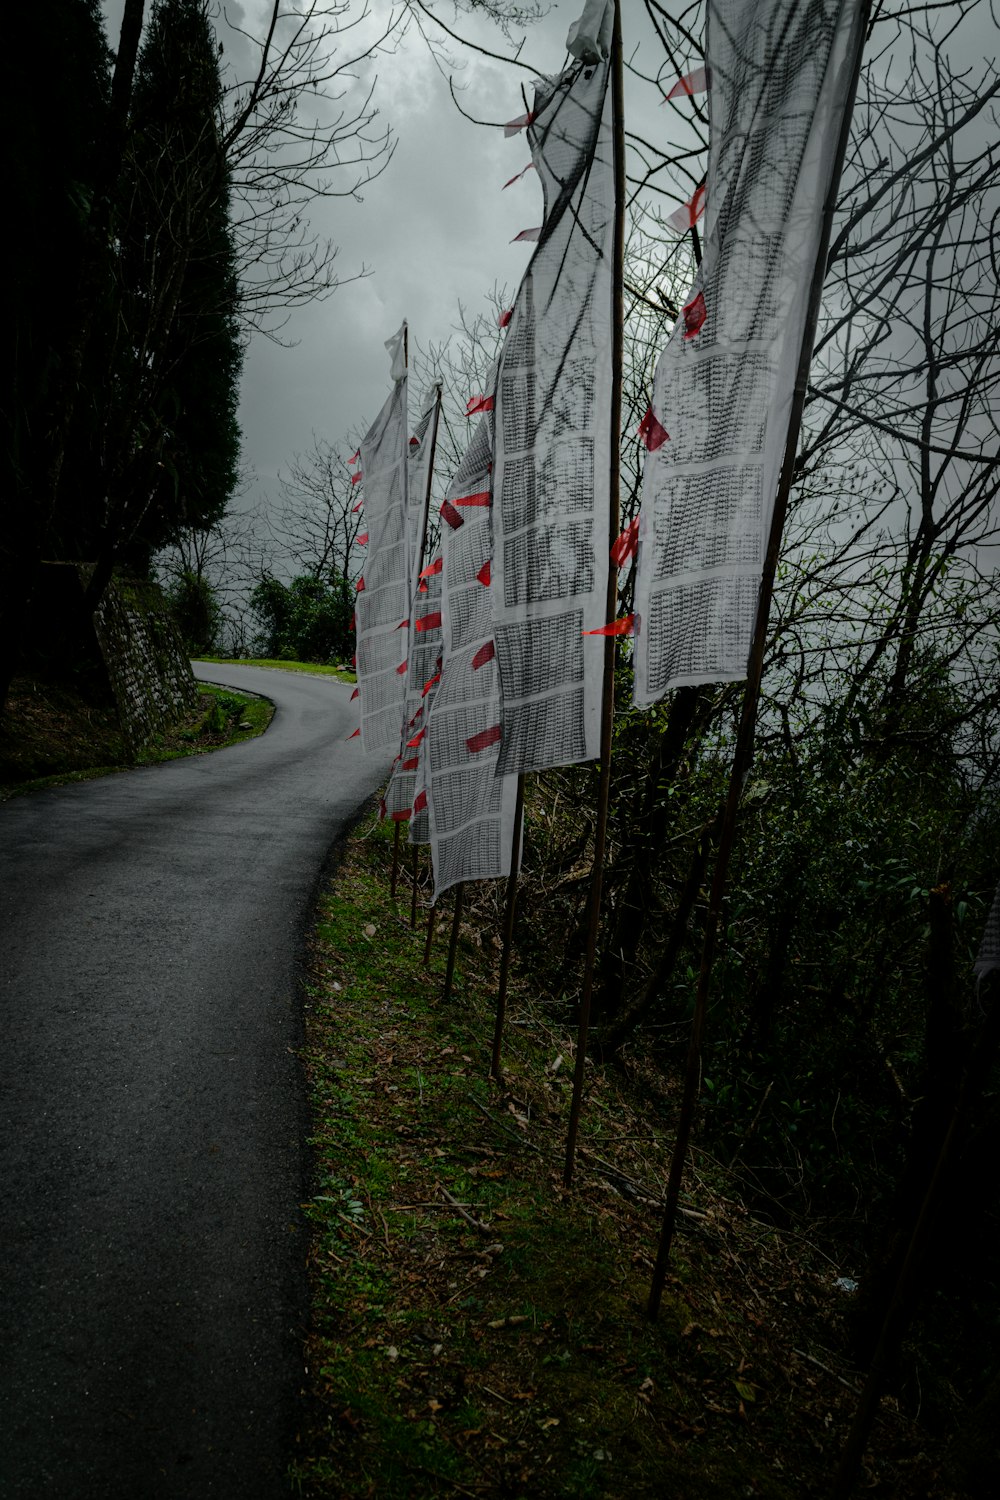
[296,127]
[315,524]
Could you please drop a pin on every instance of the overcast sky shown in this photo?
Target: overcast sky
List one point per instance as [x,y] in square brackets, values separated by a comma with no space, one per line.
[434,230]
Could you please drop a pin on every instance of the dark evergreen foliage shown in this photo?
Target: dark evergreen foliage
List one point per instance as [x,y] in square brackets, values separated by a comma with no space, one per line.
[308,619]
[59,121]
[178,285]
[126,354]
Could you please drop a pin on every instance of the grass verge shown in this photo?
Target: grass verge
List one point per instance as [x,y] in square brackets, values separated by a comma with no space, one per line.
[345,674]
[477,1329]
[51,734]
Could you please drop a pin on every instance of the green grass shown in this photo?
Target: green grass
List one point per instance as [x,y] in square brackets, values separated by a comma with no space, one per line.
[502,1347]
[51,736]
[343,673]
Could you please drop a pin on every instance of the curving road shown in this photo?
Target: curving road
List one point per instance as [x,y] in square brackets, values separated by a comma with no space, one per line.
[152,1125]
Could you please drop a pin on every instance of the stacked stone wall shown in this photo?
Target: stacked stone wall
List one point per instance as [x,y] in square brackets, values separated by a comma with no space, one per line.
[145,660]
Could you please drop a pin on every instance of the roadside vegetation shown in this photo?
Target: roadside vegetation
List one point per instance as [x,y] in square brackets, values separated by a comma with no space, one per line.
[318,669]
[479,1330]
[51,734]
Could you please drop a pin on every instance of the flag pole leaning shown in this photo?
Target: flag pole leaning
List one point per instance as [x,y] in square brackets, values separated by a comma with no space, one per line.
[743,752]
[453,945]
[608,695]
[508,929]
[425,520]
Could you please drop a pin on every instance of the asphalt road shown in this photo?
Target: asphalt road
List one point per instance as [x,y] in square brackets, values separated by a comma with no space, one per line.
[152,1127]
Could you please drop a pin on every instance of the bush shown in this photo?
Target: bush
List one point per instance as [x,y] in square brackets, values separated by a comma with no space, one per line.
[196,611]
[308,619]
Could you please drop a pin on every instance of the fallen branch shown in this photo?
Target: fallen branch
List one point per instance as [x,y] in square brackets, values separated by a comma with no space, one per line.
[459,1208]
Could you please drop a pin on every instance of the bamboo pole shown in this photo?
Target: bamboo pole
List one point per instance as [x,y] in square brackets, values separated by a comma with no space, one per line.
[453,945]
[608,699]
[743,753]
[508,929]
[395,861]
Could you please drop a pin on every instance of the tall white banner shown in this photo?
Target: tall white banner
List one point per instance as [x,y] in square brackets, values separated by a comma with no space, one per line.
[423,647]
[383,600]
[779,75]
[470,805]
[553,430]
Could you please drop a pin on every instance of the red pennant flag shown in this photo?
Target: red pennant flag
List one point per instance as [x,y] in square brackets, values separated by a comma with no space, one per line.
[694,315]
[356,478]
[689,213]
[420,802]
[429,684]
[401,669]
[362,540]
[526,234]
[492,736]
[481,498]
[451,515]
[483,655]
[695,82]
[429,622]
[477,404]
[624,626]
[505,317]
[412,744]
[402,624]
[422,587]
[432,568]
[414,442]
[653,435]
[514,127]
[484,574]
[517,176]
[355,694]
[402,816]
[627,544]
[359,587]
[411,765]
[356,508]
[354,735]
[354,457]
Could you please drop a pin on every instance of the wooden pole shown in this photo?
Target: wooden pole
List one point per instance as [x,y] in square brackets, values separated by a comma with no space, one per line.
[395,860]
[608,700]
[743,753]
[429,940]
[508,929]
[413,893]
[427,492]
[453,945]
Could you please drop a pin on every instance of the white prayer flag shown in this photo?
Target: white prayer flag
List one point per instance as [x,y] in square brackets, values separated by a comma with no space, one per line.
[423,645]
[553,430]
[381,606]
[781,75]
[471,806]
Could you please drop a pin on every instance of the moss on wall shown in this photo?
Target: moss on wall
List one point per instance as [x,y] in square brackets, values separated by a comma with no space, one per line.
[145,660]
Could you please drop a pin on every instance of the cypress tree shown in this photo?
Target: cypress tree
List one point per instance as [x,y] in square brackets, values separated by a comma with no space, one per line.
[173,437]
